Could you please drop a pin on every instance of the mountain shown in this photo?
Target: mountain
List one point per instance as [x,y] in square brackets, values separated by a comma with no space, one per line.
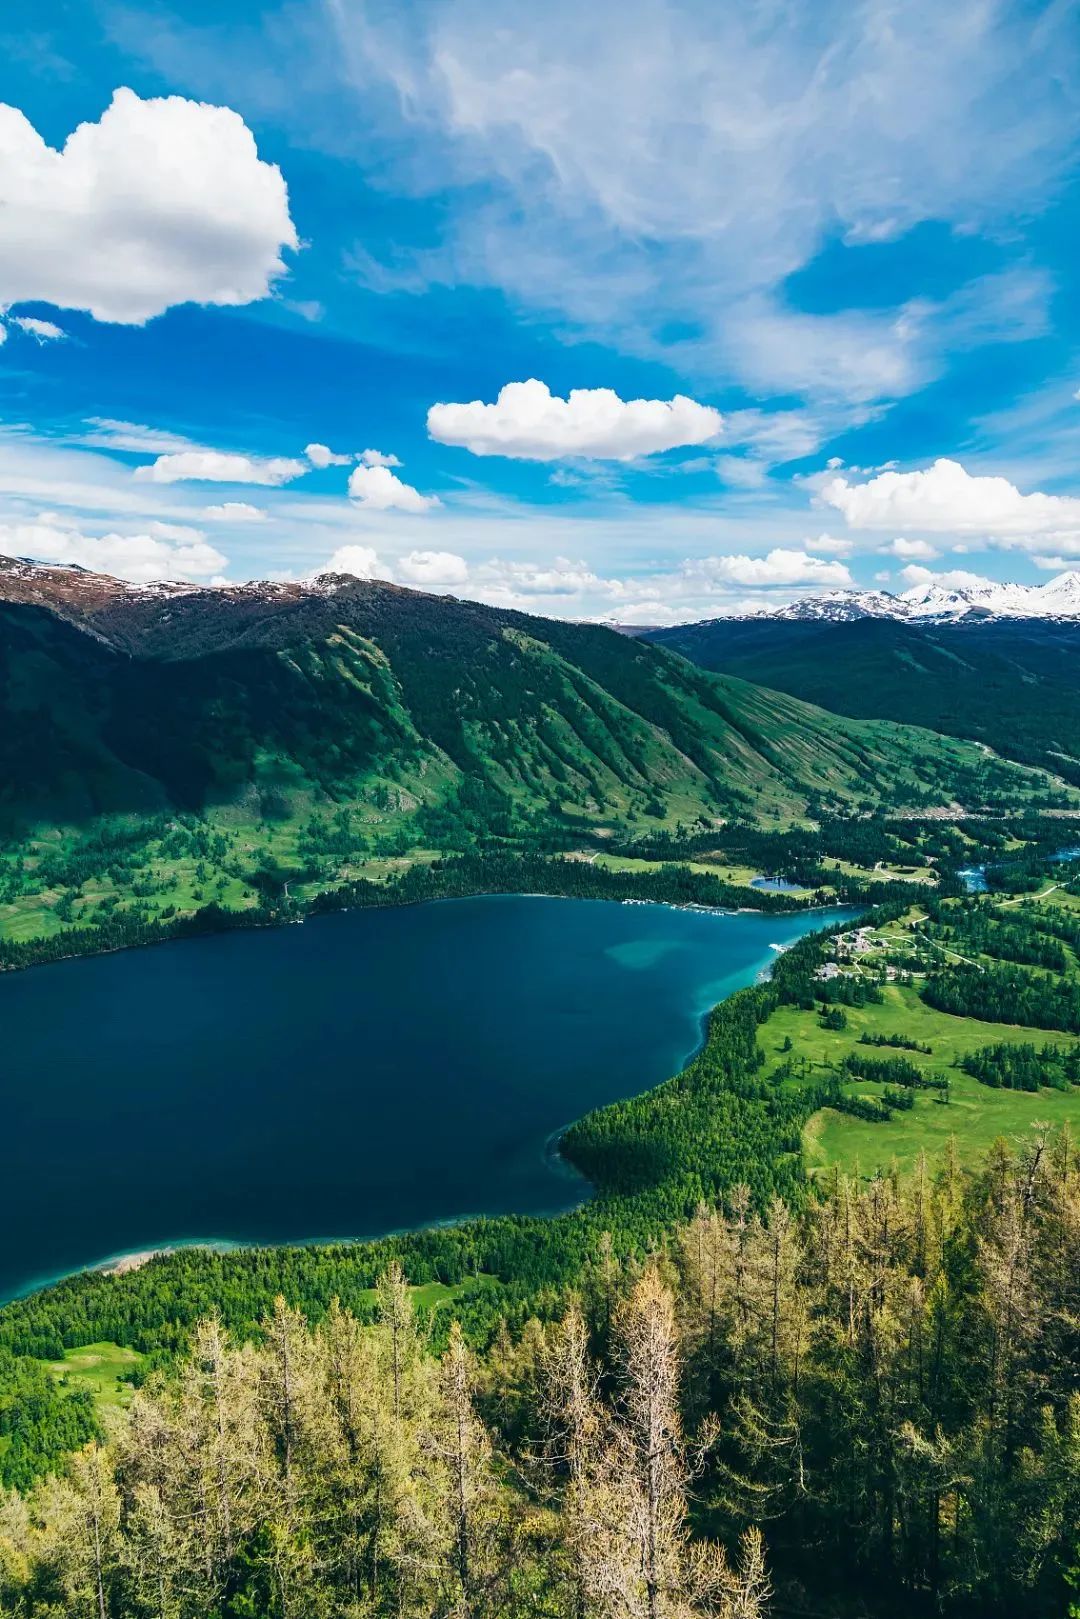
[1012,683]
[843,607]
[1059,598]
[433,719]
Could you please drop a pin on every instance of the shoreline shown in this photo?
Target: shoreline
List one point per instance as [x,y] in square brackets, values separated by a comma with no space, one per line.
[238,922]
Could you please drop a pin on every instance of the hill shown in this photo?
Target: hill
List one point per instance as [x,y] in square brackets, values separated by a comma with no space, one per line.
[170,747]
[1012,684]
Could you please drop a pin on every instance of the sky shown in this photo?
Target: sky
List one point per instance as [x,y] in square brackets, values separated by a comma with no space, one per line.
[649,310]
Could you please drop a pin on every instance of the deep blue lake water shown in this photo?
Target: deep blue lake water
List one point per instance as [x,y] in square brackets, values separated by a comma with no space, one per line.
[359,1074]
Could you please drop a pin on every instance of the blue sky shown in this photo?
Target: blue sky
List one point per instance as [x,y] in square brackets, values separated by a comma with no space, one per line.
[648,310]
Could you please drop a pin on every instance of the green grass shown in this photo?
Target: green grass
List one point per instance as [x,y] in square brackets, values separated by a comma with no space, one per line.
[739,876]
[100,1368]
[975,1114]
[429,1295]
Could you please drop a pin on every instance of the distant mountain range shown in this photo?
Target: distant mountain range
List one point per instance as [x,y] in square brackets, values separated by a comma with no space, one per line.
[1007,678]
[1059,598]
[436,718]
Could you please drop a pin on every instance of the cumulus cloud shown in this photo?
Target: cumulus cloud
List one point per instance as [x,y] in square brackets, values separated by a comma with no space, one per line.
[777,568]
[831,545]
[949,579]
[513,583]
[233,511]
[160,202]
[529,423]
[380,490]
[321,455]
[216,466]
[360,560]
[166,553]
[428,568]
[376,458]
[946,499]
[911,550]
[571,588]
[46,331]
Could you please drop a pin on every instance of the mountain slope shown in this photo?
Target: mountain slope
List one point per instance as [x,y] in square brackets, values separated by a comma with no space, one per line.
[422,708]
[1013,684]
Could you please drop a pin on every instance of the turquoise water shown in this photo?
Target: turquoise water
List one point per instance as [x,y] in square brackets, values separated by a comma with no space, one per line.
[974,877]
[359,1074]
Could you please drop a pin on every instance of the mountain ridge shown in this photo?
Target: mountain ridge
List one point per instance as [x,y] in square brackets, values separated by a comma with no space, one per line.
[1011,683]
[1058,598]
[117,696]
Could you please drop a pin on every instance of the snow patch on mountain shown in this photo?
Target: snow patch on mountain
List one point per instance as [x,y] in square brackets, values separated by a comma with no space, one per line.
[1059,598]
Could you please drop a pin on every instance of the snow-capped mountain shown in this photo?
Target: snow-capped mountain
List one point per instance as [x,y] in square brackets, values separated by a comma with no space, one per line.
[841,606]
[1059,598]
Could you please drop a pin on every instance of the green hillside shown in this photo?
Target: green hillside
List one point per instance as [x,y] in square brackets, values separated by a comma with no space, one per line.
[166,750]
[1013,684]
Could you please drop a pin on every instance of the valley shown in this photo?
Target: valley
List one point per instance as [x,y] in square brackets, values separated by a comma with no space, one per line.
[890,1059]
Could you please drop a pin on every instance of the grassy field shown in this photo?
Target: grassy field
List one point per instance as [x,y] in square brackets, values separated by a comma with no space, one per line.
[100,1368]
[974,1115]
[740,876]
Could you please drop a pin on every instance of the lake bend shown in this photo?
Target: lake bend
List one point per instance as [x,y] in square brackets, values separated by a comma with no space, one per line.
[362,1073]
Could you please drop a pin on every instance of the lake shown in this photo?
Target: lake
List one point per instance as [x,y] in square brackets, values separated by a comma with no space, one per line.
[358,1074]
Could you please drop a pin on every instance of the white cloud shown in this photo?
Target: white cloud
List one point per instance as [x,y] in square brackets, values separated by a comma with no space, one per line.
[46,331]
[160,202]
[141,558]
[911,550]
[831,545]
[509,584]
[945,499]
[740,471]
[1055,564]
[777,568]
[216,466]
[321,455]
[529,423]
[429,568]
[580,149]
[233,511]
[183,533]
[360,560]
[109,434]
[375,458]
[950,579]
[380,490]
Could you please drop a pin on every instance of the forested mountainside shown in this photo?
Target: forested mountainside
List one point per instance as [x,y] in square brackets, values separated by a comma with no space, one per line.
[1011,683]
[276,697]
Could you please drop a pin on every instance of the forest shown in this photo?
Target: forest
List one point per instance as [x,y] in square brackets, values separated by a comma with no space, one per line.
[873,1395]
[722,1386]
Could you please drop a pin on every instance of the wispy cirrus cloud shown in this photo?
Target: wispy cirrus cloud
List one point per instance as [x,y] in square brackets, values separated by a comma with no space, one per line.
[581,148]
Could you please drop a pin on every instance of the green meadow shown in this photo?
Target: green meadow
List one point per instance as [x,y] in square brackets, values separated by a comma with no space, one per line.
[974,1115]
